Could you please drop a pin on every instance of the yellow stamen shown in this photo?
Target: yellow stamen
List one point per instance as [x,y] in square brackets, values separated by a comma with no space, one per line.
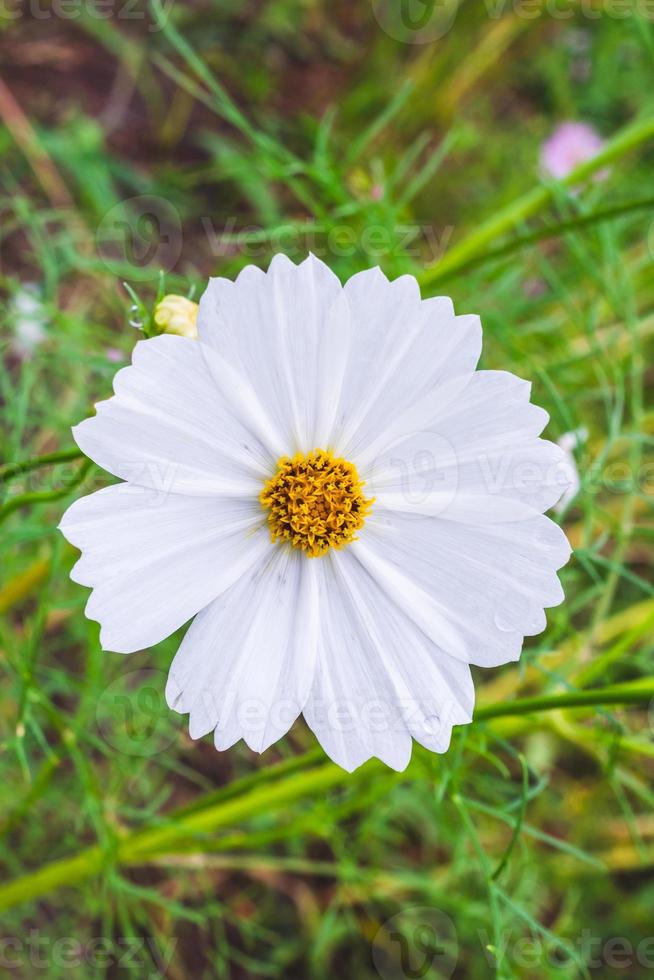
[315,501]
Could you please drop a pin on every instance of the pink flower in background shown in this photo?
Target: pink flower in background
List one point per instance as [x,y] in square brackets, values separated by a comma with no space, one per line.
[570,144]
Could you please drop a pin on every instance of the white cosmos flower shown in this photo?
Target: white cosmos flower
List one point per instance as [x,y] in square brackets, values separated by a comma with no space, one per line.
[368,620]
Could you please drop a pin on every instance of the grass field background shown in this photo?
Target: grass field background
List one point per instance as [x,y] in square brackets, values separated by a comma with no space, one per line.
[155,146]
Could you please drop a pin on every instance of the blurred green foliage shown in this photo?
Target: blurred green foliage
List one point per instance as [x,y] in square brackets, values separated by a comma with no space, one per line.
[200,137]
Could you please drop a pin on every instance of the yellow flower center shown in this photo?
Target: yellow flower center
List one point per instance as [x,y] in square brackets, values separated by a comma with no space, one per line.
[315,501]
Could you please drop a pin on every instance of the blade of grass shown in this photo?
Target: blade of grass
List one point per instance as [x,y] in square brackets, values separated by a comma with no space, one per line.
[20,586]
[553,231]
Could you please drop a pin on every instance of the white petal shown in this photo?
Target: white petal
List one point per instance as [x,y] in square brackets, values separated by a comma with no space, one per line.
[481,587]
[403,349]
[379,681]
[479,460]
[246,664]
[181,420]
[155,559]
[286,331]
[334,366]
[418,417]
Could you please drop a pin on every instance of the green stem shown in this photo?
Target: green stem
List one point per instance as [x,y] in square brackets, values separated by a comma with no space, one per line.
[631,692]
[30,499]
[550,231]
[10,470]
[136,847]
[532,202]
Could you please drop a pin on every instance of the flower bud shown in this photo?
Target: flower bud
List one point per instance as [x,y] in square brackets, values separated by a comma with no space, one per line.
[178,315]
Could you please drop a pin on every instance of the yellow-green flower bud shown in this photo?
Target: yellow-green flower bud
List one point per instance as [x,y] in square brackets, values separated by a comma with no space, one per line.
[178,315]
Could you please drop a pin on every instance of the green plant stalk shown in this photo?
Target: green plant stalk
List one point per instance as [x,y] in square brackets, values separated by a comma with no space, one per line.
[136,847]
[529,204]
[630,692]
[11,470]
[551,231]
[47,496]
